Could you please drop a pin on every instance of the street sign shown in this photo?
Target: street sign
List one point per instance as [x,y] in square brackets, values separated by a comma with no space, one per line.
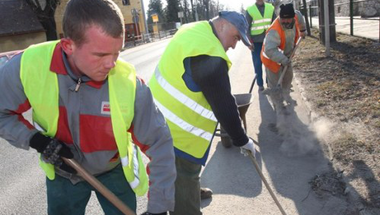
[180,14]
[155,17]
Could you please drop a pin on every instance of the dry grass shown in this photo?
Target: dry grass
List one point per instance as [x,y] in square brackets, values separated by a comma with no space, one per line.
[345,88]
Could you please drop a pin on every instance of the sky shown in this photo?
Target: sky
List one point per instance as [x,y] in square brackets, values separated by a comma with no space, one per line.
[236,4]
[232,4]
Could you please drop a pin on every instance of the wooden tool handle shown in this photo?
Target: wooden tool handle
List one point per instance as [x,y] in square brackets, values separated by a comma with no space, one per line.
[99,186]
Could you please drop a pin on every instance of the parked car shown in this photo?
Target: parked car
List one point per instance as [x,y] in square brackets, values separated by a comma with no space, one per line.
[5,56]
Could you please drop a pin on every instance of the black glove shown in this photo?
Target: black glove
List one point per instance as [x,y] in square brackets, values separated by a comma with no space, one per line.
[285,62]
[52,150]
[147,213]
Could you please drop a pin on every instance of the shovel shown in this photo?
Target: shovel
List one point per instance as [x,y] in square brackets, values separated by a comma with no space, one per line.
[99,186]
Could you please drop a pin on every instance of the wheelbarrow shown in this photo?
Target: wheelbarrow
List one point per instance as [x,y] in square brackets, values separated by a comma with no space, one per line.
[243,101]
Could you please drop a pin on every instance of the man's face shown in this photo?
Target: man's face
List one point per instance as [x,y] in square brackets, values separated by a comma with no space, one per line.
[260,2]
[229,36]
[96,56]
[287,22]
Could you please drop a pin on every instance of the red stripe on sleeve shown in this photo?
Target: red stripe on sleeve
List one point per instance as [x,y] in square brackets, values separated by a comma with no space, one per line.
[21,109]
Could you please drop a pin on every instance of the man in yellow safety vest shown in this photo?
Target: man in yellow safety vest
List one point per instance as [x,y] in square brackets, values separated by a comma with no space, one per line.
[191,88]
[88,105]
[259,16]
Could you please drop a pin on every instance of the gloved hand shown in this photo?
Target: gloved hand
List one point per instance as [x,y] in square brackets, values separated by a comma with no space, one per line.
[251,47]
[285,62]
[147,213]
[303,34]
[249,147]
[52,150]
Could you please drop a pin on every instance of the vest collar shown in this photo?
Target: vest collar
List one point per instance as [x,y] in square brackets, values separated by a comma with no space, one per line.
[258,5]
[60,65]
[213,29]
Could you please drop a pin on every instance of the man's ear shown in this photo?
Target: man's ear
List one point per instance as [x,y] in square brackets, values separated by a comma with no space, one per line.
[68,45]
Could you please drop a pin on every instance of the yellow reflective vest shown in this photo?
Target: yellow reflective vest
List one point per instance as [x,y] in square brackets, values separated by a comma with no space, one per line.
[259,23]
[188,114]
[42,90]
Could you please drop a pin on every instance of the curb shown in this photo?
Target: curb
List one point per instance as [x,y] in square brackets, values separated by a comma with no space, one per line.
[352,197]
[313,116]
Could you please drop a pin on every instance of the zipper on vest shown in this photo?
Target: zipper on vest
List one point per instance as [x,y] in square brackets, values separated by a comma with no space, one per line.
[78,85]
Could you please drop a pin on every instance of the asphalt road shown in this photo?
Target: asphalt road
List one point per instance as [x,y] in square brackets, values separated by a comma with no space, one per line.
[237,186]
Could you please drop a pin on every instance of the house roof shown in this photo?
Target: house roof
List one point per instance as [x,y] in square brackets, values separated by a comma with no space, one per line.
[17,17]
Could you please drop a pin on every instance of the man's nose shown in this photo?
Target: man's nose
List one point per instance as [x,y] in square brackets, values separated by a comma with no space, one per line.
[234,44]
[110,62]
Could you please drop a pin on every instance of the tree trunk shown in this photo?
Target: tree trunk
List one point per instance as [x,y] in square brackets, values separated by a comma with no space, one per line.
[207,11]
[192,9]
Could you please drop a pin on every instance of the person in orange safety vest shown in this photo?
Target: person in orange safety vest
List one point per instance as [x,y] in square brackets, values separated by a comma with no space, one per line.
[278,45]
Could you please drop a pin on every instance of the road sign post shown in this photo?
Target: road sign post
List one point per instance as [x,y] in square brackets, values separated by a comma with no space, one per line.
[180,16]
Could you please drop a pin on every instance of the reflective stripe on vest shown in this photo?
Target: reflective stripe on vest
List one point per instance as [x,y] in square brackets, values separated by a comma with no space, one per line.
[268,63]
[260,23]
[42,90]
[188,114]
[187,102]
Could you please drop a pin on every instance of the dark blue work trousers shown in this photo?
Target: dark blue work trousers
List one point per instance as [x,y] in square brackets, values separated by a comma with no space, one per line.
[64,198]
[257,63]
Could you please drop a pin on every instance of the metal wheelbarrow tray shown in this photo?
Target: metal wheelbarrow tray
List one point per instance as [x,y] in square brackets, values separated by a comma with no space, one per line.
[243,101]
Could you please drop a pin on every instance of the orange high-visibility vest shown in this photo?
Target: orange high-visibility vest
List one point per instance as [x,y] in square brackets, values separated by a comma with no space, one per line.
[276,25]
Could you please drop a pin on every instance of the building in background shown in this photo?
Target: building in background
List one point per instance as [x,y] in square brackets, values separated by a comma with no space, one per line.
[19,26]
[131,10]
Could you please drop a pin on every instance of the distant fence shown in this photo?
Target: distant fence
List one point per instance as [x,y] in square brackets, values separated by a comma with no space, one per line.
[345,13]
[165,30]
[147,38]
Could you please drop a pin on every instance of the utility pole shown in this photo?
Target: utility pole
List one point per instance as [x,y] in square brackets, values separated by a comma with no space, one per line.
[327,28]
[196,10]
[144,17]
[180,16]
[326,9]
[306,17]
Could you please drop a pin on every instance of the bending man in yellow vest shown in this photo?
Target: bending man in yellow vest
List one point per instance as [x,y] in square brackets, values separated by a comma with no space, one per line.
[191,87]
[88,105]
[259,16]
[278,45]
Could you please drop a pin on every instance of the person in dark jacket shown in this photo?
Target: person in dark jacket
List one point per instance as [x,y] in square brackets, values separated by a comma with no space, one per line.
[192,89]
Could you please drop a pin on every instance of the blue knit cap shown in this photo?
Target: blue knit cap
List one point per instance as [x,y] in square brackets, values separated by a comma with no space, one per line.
[239,21]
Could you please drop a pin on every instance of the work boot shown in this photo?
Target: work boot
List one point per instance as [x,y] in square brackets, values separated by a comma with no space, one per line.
[206,193]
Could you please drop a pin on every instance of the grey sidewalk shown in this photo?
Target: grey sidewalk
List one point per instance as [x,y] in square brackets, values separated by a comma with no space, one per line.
[368,28]
[238,189]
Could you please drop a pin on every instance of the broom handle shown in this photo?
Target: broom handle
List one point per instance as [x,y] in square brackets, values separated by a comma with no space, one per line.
[266,183]
[290,58]
[99,186]
[253,83]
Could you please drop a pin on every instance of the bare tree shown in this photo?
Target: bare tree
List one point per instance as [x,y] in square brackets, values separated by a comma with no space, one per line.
[192,9]
[206,4]
[242,9]
[45,10]
[185,9]
[172,9]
